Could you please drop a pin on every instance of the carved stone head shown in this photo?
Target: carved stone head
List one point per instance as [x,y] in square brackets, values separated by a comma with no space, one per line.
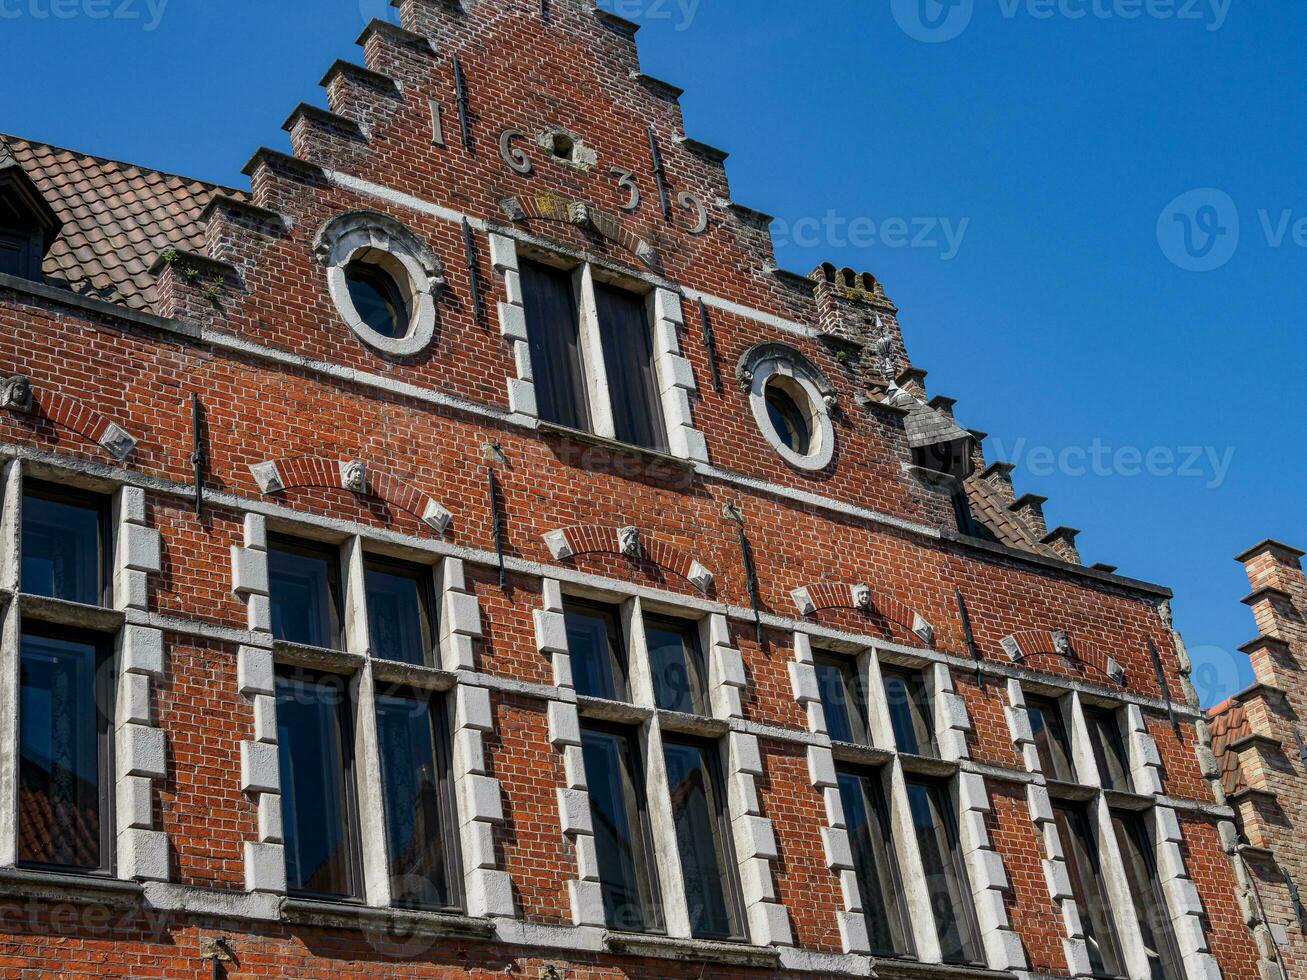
[862,597]
[354,475]
[628,538]
[16,394]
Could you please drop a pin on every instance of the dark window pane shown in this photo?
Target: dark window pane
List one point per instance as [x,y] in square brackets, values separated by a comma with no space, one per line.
[679,680]
[1051,739]
[304,584]
[314,746]
[1109,748]
[1150,901]
[946,880]
[698,811]
[617,810]
[909,712]
[377,299]
[841,699]
[875,865]
[62,547]
[15,252]
[416,784]
[598,658]
[1087,886]
[628,358]
[788,420]
[400,624]
[63,736]
[553,328]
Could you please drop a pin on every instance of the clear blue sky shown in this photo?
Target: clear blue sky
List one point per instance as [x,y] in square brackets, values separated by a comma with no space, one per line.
[1064,312]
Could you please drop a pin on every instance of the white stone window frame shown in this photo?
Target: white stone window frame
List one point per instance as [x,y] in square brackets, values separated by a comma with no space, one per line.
[986,875]
[485,889]
[1183,904]
[811,391]
[140,849]
[766,922]
[378,239]
[673,372]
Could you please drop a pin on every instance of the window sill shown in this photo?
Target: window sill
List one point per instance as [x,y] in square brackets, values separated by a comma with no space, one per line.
[925,765]
[76,615]
[913,970]
[74,889]
[693,950]
[317,658]
[860,755]
[614,446]
[622,712]
[397,923]
[413,675]
[1072,792]
[687,724]
[1135,802]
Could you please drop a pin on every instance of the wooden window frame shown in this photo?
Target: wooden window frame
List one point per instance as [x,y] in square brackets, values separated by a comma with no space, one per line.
[428,601]
[696,663]
[308,548]
[855,693]
[88,500]
[923,722]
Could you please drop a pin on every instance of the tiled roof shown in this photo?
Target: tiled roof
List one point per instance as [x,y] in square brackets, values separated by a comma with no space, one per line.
[990,512]
[117,218]
[1229,723]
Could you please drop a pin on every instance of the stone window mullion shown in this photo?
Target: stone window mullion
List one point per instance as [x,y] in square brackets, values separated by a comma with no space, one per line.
[592,354]
[374,851]
[11,522]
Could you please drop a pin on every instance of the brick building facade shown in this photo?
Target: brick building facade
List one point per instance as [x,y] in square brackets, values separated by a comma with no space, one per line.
[466,552]
[1259,741]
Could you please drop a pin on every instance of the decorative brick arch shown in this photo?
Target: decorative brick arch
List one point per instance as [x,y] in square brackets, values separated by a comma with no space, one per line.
[630,542]
[548,206]
[17,395]
[295,472]
[862,598]
[1082,655]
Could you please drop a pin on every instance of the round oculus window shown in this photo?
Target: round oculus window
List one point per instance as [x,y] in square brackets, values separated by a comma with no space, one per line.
[378,299]
[383,280]
[788,419]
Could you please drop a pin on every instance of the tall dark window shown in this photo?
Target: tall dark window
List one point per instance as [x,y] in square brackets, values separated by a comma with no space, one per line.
[1109,748]
[304,583]
[680,680]
[879,883]
[1051,739]
[909,711]
[628,359]
[594,641]
[1155,928]
[1089,890]
[401,611]
[946,879]
[703,840]
[314,737]
[20,255]
[65,772]
[553,327]
[64,549]
[624,845]
[420,818]
[842,698]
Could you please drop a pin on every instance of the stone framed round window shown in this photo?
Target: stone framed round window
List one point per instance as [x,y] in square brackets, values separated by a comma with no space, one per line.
[383,280]
[791,401]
